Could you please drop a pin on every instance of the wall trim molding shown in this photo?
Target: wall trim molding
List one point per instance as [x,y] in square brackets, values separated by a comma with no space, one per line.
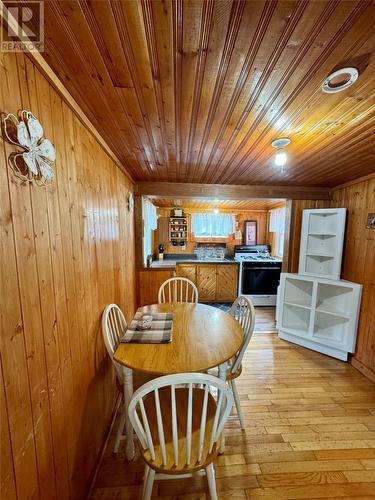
[54,80]
[230,191]
[353,182]
[233,210]
[362,368]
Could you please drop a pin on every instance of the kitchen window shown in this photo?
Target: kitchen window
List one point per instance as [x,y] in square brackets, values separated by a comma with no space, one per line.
[277,226]
[150,222]
[207,225]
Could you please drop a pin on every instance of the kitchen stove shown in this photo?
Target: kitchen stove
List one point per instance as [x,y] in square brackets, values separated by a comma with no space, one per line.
[259,274]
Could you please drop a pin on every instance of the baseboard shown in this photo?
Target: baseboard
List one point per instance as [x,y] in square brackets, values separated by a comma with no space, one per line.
[363,369]
[103,448]
[314,346]
[258,332]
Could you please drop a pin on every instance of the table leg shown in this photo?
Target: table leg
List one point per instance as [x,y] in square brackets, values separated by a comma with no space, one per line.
[128,393]
[223,376]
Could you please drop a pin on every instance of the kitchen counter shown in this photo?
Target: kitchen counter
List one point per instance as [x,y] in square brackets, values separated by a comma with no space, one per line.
[216,279]
[171,263]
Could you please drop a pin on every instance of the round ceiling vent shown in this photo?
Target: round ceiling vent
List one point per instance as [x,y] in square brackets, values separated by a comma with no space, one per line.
[280,143]
[340,80]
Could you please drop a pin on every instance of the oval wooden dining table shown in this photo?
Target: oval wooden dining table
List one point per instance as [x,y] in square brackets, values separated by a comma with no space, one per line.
[203,337]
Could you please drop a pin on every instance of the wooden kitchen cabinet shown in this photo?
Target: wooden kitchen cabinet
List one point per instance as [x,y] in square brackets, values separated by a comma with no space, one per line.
[206,282]
[215,282]
[188,271]
[226,282]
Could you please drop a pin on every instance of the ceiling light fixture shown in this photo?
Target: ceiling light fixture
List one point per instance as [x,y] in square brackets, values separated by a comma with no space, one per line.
[340,80]
[280,156]
[216,210]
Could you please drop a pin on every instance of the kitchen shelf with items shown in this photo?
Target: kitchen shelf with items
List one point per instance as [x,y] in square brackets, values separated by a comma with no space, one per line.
[178,228]
[321,242]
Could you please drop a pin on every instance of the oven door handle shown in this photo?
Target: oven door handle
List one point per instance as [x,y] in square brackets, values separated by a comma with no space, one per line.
[253,268]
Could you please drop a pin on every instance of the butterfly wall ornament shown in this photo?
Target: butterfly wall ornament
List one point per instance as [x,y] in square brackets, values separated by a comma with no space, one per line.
[36,161]
[130,201]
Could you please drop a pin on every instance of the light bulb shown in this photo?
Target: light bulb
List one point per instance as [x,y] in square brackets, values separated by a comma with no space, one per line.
[280,158]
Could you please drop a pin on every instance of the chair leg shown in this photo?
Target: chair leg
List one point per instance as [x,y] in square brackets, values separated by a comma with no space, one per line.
[238,404]
[145,476]
[148,484]
[128,393]
[210,472]
[120,429]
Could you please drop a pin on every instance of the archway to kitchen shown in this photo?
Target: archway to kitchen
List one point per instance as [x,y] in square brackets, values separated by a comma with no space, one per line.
[228,247]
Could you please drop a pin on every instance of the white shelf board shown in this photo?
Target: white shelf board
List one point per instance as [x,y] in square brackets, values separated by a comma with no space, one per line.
[333,312]
[323,255]
[322,234]
[296,304]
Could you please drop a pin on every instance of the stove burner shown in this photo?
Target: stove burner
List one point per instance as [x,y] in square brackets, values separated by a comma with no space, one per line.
[255,258]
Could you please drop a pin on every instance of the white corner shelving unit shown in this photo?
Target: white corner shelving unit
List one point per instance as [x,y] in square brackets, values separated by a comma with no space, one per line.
[322,238]
[320,314]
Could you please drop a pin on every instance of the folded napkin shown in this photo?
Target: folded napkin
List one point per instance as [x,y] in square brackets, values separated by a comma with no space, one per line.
[159,333]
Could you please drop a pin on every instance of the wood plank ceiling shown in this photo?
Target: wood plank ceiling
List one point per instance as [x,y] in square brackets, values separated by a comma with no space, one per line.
[195,91]
[203,204]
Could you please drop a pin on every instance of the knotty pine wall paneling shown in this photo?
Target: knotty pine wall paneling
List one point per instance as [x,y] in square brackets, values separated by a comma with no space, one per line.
[359,265]
[66,251]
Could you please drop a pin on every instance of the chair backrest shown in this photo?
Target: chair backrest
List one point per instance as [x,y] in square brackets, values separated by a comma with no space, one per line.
[177,289]
[113,328]
[243,311]
[202,426]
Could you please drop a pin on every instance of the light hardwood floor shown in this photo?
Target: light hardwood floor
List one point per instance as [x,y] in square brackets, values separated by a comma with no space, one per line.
[310,433]
[264,317]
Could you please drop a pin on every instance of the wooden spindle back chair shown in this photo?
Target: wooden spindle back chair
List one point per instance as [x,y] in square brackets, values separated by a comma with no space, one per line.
[113,328]
[243,311]
[178,289]
[179,423]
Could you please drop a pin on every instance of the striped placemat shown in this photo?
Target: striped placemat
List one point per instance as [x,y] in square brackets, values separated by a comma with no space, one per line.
[159,333]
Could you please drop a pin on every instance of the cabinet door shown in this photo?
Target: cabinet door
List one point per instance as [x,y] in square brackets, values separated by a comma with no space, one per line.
[187,271]
[206,282]
[226,282]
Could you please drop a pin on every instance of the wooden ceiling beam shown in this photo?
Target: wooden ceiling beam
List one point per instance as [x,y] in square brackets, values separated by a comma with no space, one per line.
[230,192]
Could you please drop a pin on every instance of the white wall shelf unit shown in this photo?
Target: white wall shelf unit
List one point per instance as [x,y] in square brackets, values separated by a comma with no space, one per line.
[322,238]
[320,314]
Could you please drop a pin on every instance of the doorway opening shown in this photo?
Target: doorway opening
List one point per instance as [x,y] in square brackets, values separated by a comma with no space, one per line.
[210,232]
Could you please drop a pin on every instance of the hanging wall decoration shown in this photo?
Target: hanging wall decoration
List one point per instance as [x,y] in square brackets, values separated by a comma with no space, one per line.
[130,201]
[250,232]
[35,163]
